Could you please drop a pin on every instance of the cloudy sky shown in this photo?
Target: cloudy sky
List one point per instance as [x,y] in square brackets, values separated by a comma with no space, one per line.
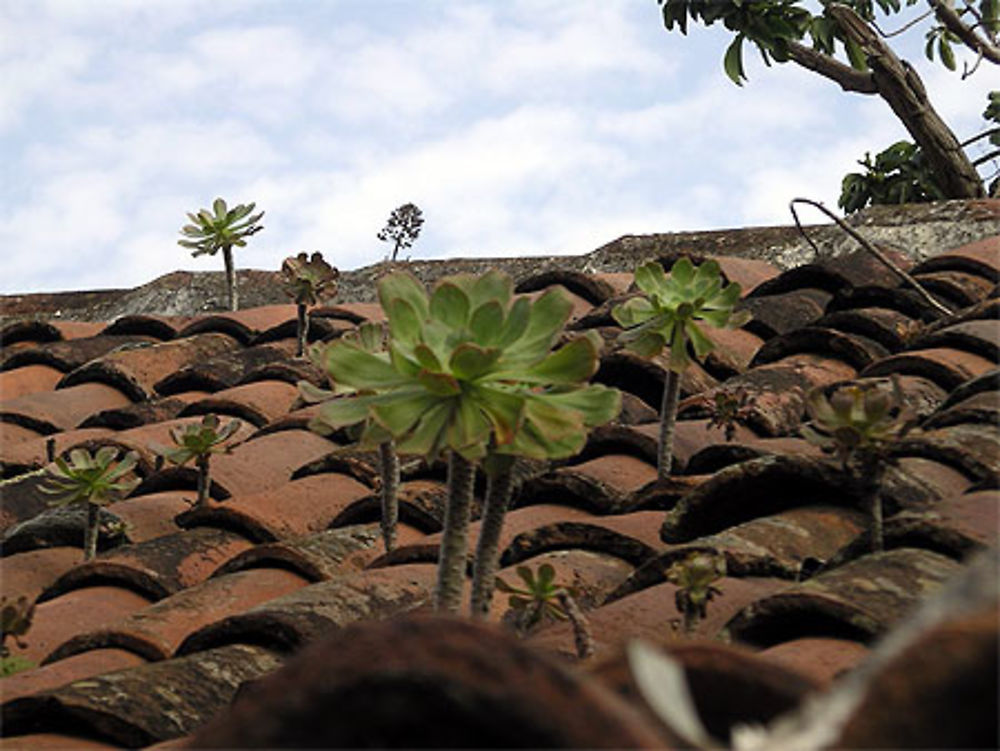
[520,127]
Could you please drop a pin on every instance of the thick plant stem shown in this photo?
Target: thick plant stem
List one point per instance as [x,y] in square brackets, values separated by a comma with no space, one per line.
[234,295]
[581,627]
[91,531]
[498,494]
[302,329]
[875,509]
[389,469]
[668,418]
[451,559]
[203,481]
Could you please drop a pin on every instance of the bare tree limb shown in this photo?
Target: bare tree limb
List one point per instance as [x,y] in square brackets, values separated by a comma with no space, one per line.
[952,21]
[843,75]
[869,247]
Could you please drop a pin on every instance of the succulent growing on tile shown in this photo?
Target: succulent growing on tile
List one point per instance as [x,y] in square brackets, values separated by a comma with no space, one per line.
[307,280]
[728,408]
[403,227]
[94,479]
[858,425]
[668,315]
[470,371]
[222,228]
[541,599]
[198,441]
[370,337]
[15,621]
[695,576]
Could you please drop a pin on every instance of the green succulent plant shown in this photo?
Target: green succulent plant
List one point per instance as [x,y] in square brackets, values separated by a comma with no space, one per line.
[307,280]
[695,577]
[728,408]
[670,313]
[197,442]
[540,599]
[469,371]
[858,424]
[15,621]
[370,337]
[222,229]
[93,479]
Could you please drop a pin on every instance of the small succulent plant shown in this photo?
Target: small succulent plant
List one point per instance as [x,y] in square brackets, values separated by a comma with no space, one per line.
[542,599]
[403,227]
[858,424]
[695,577]
[222,228]
[93,479]
[307,280]
[728,408]
[198,441]
[669,313]
[15,621]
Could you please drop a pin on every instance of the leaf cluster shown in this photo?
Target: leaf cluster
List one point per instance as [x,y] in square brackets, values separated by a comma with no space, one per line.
[729,407]
[695,576]
[308,279]
[857,420]
[899,174]
[91,478]
[197,440]
[219,228]
[669,311]
[403,226]
[469,367]
[538,599]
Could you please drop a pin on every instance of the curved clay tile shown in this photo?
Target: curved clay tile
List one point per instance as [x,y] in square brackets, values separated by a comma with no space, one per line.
[320,329]
[814,276]
[820,658]
[76,668]
[776,392]
[50,412]
[11,434]
[982,408]
[75,612]
[241,325]
[981,258]
[644,378]
[901,299]
[28,379]
[153,515]
[890,328]
[734,350]
[772,484]
[581,304]
[939,692]
[157,568]
[288,622]
[353,312]
[67,356]
[775,546]
[979,337]
[729,685]
[31,572]
[57,741]
[222,371]
[854,349]
[859,600]
[163,328]
[630,537]
[321,556]
[719,455]
[603,485]
[47,331]
[143,413]
[421,505]
[297,419]
[986,383]
[942,480]
[431,683]
[590,287]
[291,370]
[138,706]
[971,448]
[947,367]
[61,526]
[29,455]
[155,632]
[257,403]
[296,508]
[136,371]
[955,288]
[778,314]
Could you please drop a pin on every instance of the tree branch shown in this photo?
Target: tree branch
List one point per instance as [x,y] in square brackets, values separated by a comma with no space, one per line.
[952,21]
[843,75]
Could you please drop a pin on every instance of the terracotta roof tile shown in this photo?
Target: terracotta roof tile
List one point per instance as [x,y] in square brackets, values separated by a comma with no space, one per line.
[242,325]
[143,413]
[156,631]
[853,349]
[50,412]
[257,403]
[352,312]
[28,379]
[982,408]
[69,355]
[136,371]
[889,328]
[47,331]
[120,706]
[163,328]
[421,504]
[64,672]
[152,515]
[27,455]
[222,371]
[974,449]
[781,313]
[603,485]
[12,434]
[822,658]
[54,741]
[28,574]
[947,367]
[956,288]
[981,257]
